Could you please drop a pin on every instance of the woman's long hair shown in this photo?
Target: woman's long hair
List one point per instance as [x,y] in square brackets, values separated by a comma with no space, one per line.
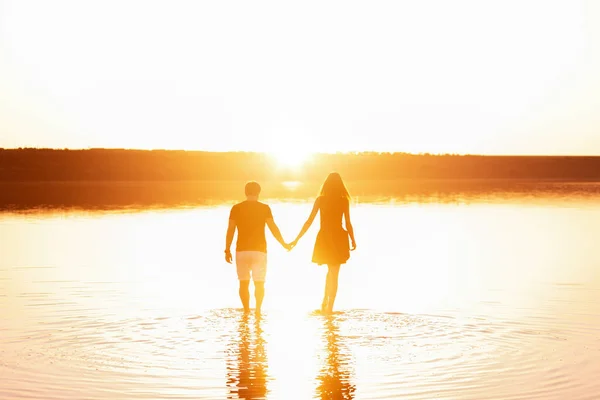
[334,186]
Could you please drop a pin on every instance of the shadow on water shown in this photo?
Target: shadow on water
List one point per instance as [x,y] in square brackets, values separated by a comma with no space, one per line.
[334,378]
[247,362]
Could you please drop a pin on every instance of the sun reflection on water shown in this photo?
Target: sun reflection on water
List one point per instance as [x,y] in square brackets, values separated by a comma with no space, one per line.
[292,185]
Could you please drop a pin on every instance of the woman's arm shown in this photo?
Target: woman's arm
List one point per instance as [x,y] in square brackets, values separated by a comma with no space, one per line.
[349,227]
[309,221]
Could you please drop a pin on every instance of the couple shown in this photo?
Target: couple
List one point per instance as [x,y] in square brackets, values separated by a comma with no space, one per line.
[331,247]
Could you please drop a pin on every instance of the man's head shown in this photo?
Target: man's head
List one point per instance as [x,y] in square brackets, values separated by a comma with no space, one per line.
[252,189]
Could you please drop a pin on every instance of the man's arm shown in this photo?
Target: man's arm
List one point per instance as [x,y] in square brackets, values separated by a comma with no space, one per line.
[229,240]
[276,233]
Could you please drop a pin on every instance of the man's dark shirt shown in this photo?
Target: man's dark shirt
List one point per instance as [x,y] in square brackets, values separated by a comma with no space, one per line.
[250,218]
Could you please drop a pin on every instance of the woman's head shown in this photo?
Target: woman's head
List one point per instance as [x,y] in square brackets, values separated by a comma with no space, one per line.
[334,186]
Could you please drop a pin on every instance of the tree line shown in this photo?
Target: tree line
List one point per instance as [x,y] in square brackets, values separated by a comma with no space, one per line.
[27,165]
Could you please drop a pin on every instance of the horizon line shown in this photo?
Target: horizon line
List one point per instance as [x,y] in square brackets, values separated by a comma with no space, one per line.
[269,153]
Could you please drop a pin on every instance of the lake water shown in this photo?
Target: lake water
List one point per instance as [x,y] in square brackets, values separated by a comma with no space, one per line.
[492,298]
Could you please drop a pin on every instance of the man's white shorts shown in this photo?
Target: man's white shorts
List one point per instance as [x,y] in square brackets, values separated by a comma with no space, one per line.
[254,262]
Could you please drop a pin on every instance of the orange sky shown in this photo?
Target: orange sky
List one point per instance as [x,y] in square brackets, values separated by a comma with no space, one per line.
[510,77]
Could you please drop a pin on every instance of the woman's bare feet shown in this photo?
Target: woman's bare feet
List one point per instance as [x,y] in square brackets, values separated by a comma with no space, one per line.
[324,305]
[326,308]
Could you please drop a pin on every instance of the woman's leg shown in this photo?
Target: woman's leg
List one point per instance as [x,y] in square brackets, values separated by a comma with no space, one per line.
[333,272]
[325,295]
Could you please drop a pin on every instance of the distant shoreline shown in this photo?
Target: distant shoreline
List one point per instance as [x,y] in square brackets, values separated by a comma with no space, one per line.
[105,165]
[167,194]
[31,178]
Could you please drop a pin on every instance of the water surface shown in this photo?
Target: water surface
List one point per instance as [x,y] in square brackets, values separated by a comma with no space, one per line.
[491,298]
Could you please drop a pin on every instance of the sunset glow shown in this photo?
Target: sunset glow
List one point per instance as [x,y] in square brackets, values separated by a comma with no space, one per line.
[291,159]
[395,76]
[299,200]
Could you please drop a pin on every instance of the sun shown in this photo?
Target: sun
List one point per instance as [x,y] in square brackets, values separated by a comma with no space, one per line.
[290,147]
[290,158]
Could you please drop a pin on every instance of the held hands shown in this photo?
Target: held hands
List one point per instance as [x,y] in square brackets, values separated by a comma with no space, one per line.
[291,245]
[287,246]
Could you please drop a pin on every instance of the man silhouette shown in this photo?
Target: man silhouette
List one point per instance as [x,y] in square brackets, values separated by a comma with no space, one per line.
[250,217]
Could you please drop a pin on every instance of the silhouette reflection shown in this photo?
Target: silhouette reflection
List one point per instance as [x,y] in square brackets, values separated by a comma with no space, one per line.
[247,362]
[334,379]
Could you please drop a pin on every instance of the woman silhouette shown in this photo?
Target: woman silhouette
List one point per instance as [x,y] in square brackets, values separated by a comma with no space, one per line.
[331,246]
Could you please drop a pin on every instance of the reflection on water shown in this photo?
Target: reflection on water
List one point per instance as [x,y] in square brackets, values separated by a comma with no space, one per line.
[334,379]
[247,373]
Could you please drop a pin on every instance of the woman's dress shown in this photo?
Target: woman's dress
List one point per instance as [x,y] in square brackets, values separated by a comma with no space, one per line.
[332,244]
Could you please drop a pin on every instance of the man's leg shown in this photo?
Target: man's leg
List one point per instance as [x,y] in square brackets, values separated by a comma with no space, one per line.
[243,273]
[245,295]
[259,273]
[259,294]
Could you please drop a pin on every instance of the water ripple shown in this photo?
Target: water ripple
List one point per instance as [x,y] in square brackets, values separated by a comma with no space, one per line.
[360,354]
